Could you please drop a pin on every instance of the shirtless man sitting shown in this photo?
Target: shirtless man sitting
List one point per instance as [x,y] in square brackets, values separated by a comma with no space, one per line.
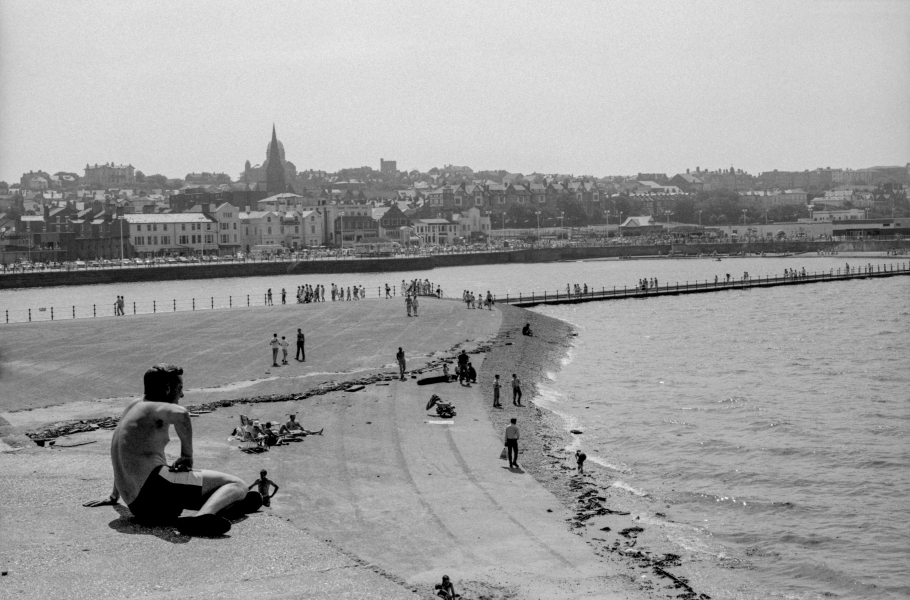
[293,427]
[155,492]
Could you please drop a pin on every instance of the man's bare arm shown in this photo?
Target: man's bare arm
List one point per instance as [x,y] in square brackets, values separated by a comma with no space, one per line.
[179,417]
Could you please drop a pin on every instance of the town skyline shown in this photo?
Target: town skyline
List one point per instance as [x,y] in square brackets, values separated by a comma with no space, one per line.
[584,89]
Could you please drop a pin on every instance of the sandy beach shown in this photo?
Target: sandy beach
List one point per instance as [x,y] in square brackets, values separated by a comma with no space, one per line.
[381,505]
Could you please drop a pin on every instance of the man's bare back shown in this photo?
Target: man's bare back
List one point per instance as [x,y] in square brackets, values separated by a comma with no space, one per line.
[155,492]
[139,441]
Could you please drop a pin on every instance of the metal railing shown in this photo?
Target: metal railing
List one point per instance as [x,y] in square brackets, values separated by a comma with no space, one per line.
[676,288]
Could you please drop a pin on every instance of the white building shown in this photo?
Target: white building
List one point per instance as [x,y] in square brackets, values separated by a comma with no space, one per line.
[471,223]
[435,231]
[172,234]
[260,227]
[848,214]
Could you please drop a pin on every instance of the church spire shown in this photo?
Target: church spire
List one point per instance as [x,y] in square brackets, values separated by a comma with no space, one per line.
[274,175]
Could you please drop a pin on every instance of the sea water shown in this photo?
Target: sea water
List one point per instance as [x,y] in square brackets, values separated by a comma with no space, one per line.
[773,422]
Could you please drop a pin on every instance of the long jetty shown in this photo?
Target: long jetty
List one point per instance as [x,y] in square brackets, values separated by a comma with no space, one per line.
[702,287]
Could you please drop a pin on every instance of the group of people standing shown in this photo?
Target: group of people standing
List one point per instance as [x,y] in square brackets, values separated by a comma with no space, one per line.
[479,301]
[316,293]
[282,345]
[308,293]
[577,289]
[647,284]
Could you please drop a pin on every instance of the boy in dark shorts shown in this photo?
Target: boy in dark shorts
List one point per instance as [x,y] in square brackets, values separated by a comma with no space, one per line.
[580,458]
[264,483]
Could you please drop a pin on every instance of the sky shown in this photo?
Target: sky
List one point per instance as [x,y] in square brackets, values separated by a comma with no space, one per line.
[600,88]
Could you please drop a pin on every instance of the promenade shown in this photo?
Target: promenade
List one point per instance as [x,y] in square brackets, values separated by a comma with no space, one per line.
[380,506]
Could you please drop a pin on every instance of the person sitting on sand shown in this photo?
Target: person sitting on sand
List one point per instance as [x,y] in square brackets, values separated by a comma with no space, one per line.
[293,427]
[526,330]
[264,483]
[156,493]
[446,589]
[472,374]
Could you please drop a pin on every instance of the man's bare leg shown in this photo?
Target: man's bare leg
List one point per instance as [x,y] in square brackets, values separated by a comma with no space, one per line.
[220,490]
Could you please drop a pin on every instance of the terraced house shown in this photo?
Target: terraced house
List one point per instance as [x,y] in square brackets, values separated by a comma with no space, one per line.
[173,234]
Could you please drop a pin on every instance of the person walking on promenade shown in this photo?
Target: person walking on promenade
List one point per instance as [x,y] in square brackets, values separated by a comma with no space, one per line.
[284,296]
[301,351]
[511,443]
[496,387]
[268,297]
[158,493]
[414,304]
[284,349]
[117,307]
[275,344]
[401,363]
[407,303]
[516,390]
[388,291]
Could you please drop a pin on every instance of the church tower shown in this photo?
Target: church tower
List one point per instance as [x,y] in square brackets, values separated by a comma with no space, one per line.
[274,175]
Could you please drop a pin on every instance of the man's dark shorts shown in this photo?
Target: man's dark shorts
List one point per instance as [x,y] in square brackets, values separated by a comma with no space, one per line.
[164,495]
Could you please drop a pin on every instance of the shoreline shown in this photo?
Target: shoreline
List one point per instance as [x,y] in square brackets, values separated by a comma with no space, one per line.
[609,518]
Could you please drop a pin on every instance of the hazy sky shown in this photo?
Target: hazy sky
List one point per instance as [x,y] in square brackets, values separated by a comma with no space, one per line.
[571,87]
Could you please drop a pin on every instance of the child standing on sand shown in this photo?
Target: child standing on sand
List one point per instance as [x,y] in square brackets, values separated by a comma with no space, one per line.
[264,483]
[580,458]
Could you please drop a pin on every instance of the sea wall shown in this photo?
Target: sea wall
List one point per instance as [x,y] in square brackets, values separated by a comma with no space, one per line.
[423,263]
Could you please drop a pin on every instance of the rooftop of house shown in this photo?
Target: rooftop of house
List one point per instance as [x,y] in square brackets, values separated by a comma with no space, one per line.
[187,217]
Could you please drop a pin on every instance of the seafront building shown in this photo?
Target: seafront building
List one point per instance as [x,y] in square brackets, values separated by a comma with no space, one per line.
[62,216]
[172,234]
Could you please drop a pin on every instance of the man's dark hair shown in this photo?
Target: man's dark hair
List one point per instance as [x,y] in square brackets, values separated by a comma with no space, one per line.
[157,379]
[513,420]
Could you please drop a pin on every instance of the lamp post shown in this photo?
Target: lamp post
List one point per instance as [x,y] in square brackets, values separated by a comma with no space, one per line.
[699,218]
[562,223]
[121,240]
[537,212]
[620,223]
[744,217]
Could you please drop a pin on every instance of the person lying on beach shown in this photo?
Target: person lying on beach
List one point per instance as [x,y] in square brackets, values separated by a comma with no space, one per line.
[293,427]
[526,330]
[263,484]
[155,492]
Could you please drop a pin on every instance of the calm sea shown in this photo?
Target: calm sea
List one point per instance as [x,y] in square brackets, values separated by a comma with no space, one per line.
[774,424]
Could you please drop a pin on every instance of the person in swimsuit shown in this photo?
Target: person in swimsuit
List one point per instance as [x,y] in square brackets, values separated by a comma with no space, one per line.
[155,492]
